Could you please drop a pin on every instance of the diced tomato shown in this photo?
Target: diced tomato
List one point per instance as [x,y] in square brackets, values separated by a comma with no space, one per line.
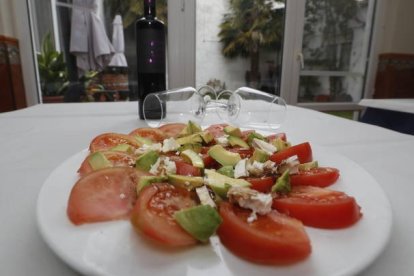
[154,134]
[154,210]
[319,207]
[107,141]
[320,177]
[303,151]
[271,239]
[172,130]
[184,168]
[209,162]
[117,158]
[103,195]
[261,184]
[216,130]
[244,153]
[281,135]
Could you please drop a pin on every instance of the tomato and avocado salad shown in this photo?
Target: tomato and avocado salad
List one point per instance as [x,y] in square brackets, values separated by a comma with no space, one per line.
[180,184]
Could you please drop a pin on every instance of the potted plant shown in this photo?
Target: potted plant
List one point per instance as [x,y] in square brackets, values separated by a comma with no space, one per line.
[52,71]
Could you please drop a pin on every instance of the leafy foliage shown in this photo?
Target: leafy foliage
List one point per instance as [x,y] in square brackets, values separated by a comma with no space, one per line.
[250,27]
[52,69]
[331,22]
[131,10]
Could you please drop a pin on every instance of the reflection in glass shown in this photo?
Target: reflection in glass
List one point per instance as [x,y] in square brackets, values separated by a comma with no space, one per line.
[335,48]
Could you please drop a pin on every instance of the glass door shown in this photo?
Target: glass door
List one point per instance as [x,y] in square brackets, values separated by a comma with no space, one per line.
[330,51]
[239,43]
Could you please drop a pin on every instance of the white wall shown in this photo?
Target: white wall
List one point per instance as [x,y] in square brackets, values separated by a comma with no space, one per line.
[398,27]
[6,20]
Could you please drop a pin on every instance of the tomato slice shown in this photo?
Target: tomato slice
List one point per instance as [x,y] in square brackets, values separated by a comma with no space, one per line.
[172,130]
[154,134]
[319,207]
[261,184]
[303,151]
[103,195]
[117,159]
[184,168]
[271,239]
[107,141]
[320,177]
[216,130]
[154,210]
[280,135]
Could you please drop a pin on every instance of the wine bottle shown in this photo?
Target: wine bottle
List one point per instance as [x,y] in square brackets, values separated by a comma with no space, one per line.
[150,46]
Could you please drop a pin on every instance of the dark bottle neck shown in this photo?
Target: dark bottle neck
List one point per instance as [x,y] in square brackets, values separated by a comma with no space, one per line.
[149,9]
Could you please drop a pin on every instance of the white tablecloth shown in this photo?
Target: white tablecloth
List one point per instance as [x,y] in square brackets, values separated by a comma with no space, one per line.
[35,140]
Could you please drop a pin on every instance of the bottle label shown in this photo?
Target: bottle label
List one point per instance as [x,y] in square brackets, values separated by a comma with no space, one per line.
[151,51]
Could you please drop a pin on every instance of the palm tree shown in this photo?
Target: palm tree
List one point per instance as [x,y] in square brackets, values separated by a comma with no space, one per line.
[251,26]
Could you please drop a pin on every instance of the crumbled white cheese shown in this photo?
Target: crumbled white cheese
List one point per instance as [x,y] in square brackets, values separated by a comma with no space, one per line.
[204,196]
[169,145]
[155,166]
[222,140]
[256,168]
[292,164]
[252,217]
[240,169]
[144,148]
[268,148]
[251,199]
[170,166]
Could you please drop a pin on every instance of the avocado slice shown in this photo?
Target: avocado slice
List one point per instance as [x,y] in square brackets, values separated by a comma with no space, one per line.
[280,144]
[143,140]
[145,161]
[227,171]
[98,160]
[187,182]
[190,139]
[206,136]
[233,131]
[194,147]
[253,135]
[123,147]
[193,157]
[309,165]
[189,129]
[149,179]
[282,185]
[221,184]
[200,221]
[237,141]
[194,127]
[260,156]
[224,157]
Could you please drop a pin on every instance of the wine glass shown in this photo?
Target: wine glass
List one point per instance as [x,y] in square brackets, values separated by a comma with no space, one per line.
[251,108]
[246,107]
[181,105]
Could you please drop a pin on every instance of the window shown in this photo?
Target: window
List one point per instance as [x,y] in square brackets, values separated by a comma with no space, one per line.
[57,68]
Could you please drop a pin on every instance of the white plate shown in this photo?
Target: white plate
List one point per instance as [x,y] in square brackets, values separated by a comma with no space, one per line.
[113,248]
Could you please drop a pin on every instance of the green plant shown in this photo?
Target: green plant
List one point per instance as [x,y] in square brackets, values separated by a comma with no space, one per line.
[251,26]
[52,69]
